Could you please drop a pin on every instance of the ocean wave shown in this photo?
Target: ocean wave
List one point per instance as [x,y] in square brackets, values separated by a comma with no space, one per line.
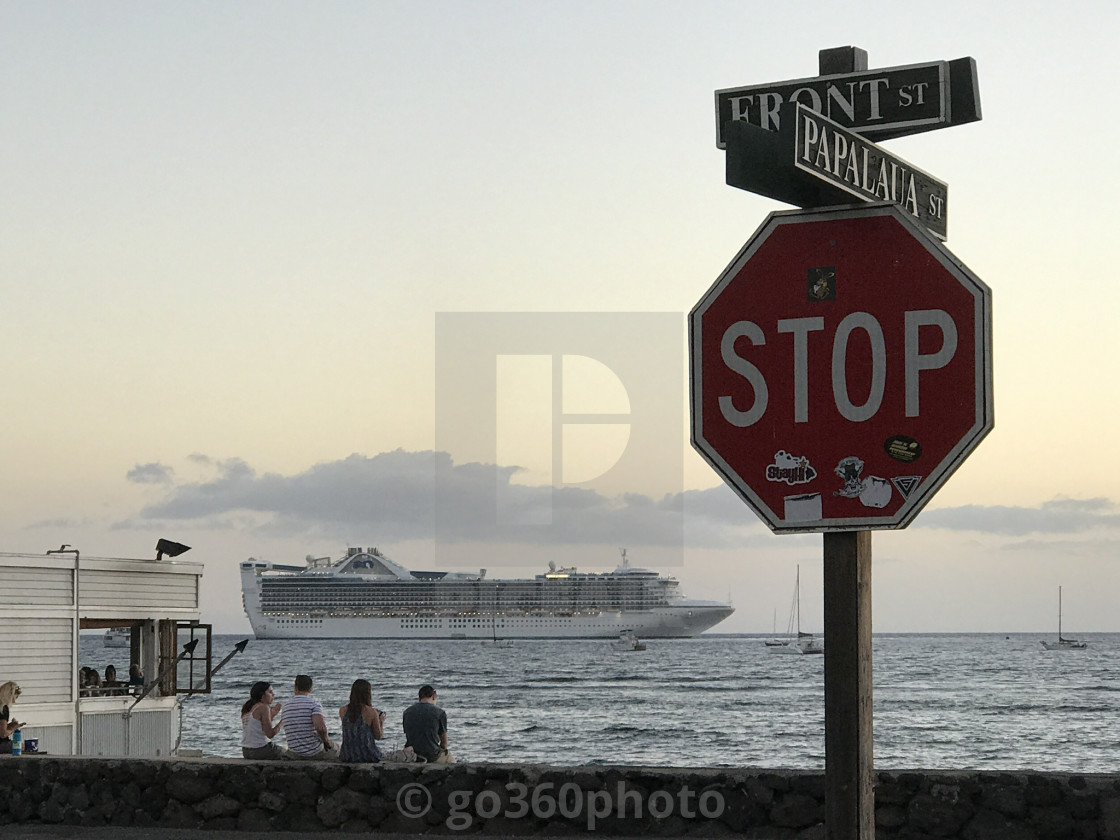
[950,701]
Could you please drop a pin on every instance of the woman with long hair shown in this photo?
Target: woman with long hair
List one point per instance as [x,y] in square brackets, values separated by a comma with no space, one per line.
[9,693]
[257,729]
[361,725]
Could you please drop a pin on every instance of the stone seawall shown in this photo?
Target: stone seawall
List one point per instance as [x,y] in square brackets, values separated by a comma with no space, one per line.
[495,799]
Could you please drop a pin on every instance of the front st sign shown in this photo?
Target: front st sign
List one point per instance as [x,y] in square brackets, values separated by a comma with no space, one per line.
[879,104]
[840,369]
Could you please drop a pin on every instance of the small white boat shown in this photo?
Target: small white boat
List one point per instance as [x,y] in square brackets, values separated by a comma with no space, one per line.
[118,637]
[796,642]
[1063,643]
[775,640]
[627,641]
[804,645]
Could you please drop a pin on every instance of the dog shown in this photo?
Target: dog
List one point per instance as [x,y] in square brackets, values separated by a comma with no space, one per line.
[9,693]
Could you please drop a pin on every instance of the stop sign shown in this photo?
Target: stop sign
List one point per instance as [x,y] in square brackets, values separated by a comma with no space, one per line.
[840,369]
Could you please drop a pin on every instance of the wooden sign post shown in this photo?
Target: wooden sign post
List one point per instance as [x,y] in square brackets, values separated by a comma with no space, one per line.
[849,743]
[849,753]
[849,721]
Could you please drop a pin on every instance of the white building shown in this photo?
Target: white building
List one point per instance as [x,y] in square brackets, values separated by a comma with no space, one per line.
[47,599]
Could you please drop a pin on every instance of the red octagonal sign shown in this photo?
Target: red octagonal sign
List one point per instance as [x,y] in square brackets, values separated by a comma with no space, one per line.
[841,369]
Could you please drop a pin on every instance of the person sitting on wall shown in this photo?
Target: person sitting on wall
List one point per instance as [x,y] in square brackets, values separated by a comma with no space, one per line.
[362,725]
[425,728]
[257,729]
[9,693]
[304,725]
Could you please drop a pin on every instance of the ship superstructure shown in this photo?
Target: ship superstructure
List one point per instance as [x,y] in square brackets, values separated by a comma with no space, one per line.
[367,595]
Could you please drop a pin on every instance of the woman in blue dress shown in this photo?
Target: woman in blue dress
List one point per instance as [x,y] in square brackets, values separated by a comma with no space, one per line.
[361,725]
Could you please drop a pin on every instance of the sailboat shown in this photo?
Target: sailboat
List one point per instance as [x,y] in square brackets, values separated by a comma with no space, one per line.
[494,633]
[796,641]
[1063,643]
[774,640]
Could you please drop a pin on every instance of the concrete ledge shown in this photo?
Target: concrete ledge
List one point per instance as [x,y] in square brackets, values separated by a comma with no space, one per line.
[497,799]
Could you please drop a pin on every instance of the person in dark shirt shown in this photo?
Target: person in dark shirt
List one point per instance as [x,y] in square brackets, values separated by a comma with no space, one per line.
[425,728]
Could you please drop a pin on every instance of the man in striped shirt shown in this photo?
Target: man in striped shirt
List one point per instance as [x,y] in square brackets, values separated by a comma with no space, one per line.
[304,725]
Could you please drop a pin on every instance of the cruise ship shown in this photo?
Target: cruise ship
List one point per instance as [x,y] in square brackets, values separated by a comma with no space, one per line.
[367,595]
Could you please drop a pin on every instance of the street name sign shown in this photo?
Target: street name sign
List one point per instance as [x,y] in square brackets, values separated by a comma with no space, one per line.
[840,369]
[879,104]
[813,161]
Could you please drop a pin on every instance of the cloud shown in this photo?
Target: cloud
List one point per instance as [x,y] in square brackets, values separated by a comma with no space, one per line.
[403,495]
[151,473]
[1057,516]
[58,524]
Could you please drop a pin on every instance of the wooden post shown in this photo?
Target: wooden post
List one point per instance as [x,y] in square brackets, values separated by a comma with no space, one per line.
[838,60]
[849,756]
[849,801]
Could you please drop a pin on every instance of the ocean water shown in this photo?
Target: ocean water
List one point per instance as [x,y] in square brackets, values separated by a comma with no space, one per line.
[982,701]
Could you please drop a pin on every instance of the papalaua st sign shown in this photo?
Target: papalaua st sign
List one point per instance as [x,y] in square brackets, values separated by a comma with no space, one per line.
[828,151]
[815,162]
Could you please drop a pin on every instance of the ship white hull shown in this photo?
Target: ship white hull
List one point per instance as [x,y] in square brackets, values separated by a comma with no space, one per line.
[676,622]
[367,596]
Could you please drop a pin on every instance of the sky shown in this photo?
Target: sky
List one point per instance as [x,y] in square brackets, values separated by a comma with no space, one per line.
[278,278]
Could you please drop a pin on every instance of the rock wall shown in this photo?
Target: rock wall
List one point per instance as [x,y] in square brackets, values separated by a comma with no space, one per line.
[494,799]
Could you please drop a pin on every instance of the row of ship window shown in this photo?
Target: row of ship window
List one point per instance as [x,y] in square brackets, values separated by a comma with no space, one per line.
[504,602]
[436,622]
[326,598]
[419,590]
[302,606]
[536,622]
[512,592]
